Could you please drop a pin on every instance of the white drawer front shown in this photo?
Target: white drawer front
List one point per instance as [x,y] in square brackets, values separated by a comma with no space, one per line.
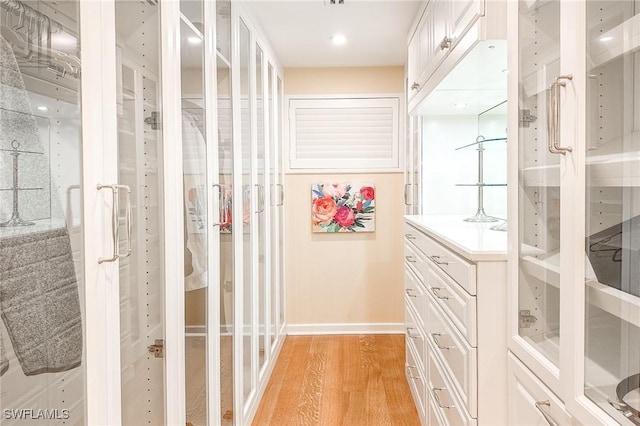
[414,336]
[461,270]
[447,404]
[416,383]
[415,295]
[459,359]
[415,259]
[459,305]
[530,401]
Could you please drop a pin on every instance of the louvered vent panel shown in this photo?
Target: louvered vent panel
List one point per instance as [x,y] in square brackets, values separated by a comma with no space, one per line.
[353,134]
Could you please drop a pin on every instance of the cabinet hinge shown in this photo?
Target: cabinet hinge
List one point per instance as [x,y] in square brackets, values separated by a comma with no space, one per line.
[157,348]
[526,118]
[526,319]
[154,120]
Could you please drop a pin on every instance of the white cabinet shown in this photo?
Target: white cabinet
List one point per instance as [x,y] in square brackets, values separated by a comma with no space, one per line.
[574,214]
[455,295]
[442,25]
[530,401]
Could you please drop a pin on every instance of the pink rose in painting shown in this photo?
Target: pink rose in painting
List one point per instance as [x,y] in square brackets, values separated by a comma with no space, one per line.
[324,209]
[368,193]
[344,216]
[334,189]
[359,206]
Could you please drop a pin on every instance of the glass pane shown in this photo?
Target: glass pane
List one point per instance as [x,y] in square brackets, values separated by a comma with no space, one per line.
[41,343]
[416,201]
[194,154]
[275,194]
[280,237]
[140,168]
[539,192]
[225,165]
[223,28]
[247,226]
[262,216]
[613,207]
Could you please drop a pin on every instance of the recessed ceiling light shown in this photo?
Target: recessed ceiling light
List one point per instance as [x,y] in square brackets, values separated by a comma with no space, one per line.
[606,38]
[194,40]
[339,39]
[460,105]
[42,108]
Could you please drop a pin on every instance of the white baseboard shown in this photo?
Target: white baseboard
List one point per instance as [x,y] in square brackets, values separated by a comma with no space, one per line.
[348,328]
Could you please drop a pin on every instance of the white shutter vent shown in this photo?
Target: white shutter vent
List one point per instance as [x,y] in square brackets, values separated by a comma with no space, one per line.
[344,134]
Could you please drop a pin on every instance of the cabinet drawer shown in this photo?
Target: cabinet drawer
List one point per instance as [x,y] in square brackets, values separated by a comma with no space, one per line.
[458,358]
[461,270]
[416,383]
[457,304]
[414,336]
[414,259]
[446,402]
[530,401]
[415,294]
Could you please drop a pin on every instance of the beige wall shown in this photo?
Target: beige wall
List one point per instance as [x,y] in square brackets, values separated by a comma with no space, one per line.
[344,278]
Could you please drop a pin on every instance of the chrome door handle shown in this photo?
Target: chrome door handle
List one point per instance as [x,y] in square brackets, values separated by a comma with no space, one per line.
[446,43]
[406,199]
[436,260]
[409,292]
[409,237]
[435,290]
[281,203]
[546,416]
[115,231]
[415,85]
[222,211]
[409,332]
[409,373]
[553,115]
[437,342]
[437,398]
[410,259]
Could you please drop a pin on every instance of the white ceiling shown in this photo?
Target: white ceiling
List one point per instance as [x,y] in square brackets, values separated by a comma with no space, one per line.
[299,31]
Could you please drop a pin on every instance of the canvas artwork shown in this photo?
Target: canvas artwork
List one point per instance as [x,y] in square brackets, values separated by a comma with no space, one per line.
[343,207]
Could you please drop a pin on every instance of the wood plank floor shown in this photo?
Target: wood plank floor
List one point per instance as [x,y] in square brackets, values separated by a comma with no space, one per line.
[339,380]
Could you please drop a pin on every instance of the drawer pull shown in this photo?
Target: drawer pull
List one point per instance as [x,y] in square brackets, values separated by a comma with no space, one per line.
[409,373]
[437,398]
[440,346]
[435,290]
[410,259]
[409,237]
[413,336]
[437,261]
[410,293]
[546,415]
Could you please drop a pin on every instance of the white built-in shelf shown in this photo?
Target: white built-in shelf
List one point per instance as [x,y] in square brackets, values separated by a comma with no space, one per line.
[616,302]
[223,58]
[126,132]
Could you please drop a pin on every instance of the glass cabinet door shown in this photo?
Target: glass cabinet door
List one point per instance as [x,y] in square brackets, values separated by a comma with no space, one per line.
[247,227]
[197,225]
[539,171]
[140,153]
[42,339]
[225,236]
[261,215]
[612,244]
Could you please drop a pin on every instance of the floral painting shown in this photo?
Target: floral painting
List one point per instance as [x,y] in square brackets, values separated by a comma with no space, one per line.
[343,207]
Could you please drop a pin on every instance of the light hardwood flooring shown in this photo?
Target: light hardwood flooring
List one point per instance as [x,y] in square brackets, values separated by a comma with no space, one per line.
[339,380]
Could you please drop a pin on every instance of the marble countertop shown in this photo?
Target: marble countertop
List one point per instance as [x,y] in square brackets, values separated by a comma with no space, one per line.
[474,241]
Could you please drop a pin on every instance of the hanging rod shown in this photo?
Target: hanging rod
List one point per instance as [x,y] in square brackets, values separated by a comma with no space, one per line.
[16,6]
[478,141]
